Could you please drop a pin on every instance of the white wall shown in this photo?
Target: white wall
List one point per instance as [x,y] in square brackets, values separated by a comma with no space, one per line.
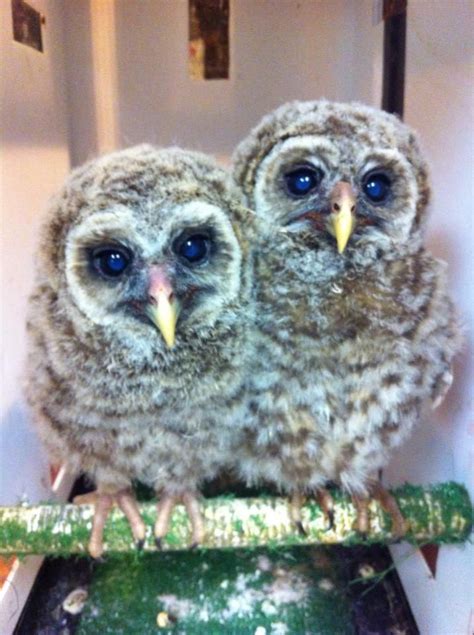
[280,50]
[440,105]
[34,160]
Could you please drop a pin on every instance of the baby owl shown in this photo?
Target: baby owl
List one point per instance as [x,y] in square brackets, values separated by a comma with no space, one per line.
[356,331]
[138,329]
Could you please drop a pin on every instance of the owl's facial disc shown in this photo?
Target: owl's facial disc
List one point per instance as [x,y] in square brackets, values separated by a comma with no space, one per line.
[155,273]
[343,209]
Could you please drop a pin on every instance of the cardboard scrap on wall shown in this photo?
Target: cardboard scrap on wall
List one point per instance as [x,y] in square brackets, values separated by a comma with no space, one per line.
[27,25]
[209,39]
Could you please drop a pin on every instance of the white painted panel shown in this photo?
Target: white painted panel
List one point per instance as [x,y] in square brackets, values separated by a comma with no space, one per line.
[440,105]
[34,160]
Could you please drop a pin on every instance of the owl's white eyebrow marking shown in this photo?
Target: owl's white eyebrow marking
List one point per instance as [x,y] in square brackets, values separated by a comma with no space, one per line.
[382,159]
[320,151]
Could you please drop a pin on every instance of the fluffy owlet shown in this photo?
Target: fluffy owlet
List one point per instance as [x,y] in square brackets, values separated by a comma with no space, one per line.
[138,328]
[357,332]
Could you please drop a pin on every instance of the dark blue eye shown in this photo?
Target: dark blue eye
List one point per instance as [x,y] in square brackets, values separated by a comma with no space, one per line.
[377,187]
[303,180]
[194,248]
[111,262]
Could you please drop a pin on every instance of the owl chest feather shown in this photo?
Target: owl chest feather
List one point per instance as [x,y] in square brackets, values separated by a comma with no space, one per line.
[102,405]
[352,361]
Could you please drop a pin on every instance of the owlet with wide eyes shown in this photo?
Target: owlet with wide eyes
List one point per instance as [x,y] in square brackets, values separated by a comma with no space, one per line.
[356,330]
[138,328]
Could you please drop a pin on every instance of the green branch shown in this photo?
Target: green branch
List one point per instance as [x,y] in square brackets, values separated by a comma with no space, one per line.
[438,514]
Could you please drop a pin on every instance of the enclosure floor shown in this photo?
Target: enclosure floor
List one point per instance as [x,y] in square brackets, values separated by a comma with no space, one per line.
[298,591]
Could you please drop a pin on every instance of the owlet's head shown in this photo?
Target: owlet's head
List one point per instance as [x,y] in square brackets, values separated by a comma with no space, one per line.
[341,178]
[150,243]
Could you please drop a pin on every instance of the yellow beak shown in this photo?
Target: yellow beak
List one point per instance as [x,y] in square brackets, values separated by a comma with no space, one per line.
[342,216]
[164,315]
[163,307]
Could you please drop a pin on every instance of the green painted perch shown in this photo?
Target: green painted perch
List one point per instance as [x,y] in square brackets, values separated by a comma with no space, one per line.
[437,514]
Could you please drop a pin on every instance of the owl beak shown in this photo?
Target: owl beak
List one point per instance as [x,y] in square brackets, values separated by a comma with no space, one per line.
[342,217]
[163,307]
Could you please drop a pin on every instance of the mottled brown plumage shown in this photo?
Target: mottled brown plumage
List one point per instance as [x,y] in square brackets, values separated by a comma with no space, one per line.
[352,345]
[110,398]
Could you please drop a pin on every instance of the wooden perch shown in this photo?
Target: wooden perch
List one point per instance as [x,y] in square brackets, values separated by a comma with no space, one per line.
[438,514]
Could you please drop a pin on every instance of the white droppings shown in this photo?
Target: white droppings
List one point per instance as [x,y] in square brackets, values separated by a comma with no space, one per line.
[260,630]
[75,601]
[326,584]
[269,608]
[366,570]
[264,563]
[177,607]
[162,619]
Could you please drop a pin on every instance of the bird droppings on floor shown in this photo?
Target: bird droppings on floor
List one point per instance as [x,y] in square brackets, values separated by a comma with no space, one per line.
[75,601]
[260,592]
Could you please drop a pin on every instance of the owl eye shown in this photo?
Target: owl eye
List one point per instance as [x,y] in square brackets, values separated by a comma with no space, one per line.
[377,187]
[303,180]
[111,262]
[194,249]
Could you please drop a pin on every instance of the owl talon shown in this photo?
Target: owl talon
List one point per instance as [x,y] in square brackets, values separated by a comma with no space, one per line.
[127,503]
[197,523]
[330,520]
[165,509]
[390,505]
[301,530]
[139,544]
[326,502]
[103,504]
[297,501]
[361,505]
[159,544]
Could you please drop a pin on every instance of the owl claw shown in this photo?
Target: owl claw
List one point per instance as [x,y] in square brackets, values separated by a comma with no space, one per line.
[165,509]
[331,520]
[103,504]
[297,501]
[159,544]
[388,504]
[139,544]
[301,530]
[326,502]
[361,505]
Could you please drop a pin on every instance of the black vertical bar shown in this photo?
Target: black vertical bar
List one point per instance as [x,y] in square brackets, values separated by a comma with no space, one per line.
[394,45]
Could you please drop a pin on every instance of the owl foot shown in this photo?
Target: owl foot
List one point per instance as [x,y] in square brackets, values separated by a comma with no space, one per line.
[388,504]
[103,503]
[361,505]
[164,510]
[326,502]
[297,501]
